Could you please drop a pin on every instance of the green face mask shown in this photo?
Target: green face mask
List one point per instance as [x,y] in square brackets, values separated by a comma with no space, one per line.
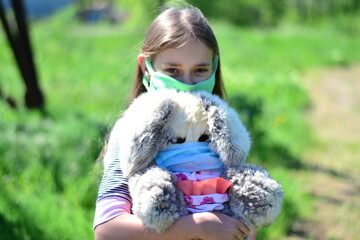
[161,81]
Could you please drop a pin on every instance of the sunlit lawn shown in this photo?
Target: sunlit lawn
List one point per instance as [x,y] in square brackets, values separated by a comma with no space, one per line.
[48,169]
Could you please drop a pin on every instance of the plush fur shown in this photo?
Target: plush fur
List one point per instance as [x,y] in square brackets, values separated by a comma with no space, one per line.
[158,119]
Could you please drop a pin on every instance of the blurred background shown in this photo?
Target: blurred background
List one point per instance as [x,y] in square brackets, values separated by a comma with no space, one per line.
[291,69]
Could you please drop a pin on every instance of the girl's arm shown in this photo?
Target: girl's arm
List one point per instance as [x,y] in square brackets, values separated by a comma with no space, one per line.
[207,225]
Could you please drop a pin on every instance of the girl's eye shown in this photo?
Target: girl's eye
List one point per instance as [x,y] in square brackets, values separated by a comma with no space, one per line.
[171,71]
[201,70]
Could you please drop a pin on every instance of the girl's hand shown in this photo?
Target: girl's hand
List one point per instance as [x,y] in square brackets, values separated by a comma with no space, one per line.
[215,226]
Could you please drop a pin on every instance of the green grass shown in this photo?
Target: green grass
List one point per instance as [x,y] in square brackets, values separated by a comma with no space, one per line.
[48,170]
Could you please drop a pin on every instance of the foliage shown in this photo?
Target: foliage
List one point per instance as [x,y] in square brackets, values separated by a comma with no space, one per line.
[243,12]
[48,176]
[48,169]
[274,12]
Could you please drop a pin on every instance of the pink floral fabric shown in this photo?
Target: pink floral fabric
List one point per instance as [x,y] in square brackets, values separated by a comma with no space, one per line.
[197,176]
[204,191]
[206,203]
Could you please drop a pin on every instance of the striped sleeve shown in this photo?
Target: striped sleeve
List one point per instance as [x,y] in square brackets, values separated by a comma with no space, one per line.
[113,183]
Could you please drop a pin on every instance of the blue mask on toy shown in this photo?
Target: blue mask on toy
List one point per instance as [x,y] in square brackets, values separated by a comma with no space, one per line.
[189,157]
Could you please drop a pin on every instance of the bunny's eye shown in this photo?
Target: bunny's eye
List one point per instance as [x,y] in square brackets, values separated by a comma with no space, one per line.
[204,138]
[180,140]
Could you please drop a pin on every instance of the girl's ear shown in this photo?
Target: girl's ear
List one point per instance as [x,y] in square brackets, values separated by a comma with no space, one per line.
[141,61]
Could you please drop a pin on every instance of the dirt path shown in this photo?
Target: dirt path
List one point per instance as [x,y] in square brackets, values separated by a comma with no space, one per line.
[333,179]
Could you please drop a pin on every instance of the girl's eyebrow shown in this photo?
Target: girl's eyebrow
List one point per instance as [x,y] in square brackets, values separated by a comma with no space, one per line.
[203,64]
[173,64]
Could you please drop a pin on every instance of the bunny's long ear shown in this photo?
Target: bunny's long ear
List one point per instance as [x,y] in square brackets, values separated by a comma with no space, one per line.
[143,131]
[229,137]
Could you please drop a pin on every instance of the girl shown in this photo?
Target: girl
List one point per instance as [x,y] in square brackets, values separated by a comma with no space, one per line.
[179,51]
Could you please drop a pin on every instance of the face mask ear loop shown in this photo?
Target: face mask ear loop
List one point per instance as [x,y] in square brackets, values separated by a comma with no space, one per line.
[215,63]
[149,66]
[147,74]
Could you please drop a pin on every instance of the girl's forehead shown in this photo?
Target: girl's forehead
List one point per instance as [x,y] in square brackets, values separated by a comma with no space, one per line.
[193,50]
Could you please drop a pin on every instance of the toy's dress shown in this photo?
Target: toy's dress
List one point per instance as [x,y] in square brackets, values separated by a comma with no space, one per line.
[198,172]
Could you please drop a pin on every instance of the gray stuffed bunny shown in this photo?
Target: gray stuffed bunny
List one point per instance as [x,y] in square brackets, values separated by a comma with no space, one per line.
[157,120]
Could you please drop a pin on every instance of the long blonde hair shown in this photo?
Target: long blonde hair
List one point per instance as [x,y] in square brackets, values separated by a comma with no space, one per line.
[173,28]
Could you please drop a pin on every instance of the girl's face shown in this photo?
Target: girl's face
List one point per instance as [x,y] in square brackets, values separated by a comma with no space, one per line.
[190,64]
